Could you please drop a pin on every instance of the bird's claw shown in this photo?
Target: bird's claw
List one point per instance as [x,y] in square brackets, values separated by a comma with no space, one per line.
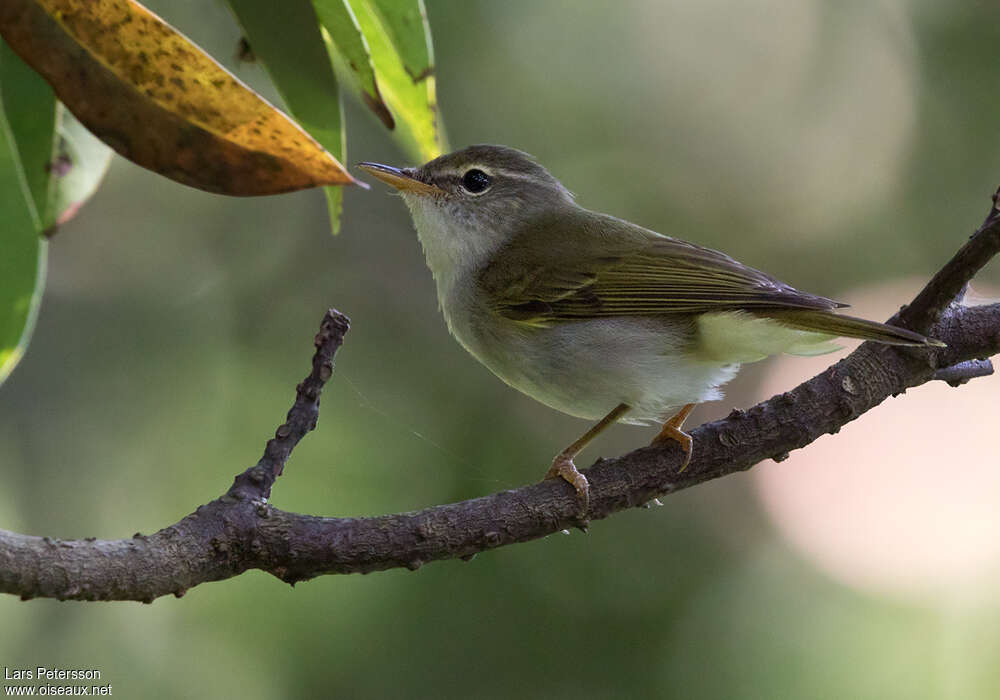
[563,468]
[672,432]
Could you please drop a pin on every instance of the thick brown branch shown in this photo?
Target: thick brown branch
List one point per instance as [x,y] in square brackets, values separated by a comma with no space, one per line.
[240,530]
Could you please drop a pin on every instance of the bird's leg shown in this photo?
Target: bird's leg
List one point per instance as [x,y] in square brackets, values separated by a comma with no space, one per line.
[563,467]
[672,431]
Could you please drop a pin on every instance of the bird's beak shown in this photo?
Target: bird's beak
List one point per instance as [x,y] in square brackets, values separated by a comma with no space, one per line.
[400,179]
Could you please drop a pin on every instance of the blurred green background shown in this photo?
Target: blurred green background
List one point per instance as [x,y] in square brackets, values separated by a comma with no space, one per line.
[837,145]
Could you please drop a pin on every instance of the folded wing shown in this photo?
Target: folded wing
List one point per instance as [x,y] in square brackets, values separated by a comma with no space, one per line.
[631,272]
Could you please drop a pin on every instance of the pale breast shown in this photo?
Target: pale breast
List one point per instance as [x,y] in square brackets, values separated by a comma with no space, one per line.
[586,368]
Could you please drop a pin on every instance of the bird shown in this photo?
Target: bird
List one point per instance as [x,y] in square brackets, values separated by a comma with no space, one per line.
[593,315]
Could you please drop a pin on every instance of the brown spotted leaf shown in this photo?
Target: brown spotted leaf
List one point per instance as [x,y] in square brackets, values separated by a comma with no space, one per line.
[160,101]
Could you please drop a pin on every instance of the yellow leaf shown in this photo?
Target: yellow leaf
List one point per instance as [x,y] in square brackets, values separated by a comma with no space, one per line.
[160,101]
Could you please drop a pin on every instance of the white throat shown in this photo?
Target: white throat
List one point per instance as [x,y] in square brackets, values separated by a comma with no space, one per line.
[453,252]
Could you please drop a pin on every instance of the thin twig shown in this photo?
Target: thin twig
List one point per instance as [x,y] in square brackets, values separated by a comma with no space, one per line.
[256,482]
[959,374]
[948,285]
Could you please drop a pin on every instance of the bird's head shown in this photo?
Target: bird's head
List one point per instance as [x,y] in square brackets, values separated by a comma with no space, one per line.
[468,203]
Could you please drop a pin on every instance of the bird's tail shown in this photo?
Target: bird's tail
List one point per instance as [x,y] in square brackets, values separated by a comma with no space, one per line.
[849,327]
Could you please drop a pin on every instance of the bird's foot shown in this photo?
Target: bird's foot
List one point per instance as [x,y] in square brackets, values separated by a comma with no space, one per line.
[563,468]
[672,432]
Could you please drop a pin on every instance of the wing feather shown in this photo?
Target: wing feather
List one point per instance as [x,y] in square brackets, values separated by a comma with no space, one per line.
[636,272]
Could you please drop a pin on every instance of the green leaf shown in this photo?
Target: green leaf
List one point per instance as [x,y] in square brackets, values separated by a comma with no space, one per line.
[413,103]
[22,264]
[49,165]
[285,37]
[406,23]
[61,162]
[348,47]
[77,168]
[30,107]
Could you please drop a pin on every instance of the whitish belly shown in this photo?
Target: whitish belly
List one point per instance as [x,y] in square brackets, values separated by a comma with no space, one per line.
[587,368]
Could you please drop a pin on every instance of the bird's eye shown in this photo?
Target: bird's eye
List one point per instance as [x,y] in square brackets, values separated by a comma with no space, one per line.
[476,181]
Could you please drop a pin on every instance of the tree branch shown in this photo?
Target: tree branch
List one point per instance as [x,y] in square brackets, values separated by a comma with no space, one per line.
[241,531]
[948,285]
[256,482]
[959,374]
